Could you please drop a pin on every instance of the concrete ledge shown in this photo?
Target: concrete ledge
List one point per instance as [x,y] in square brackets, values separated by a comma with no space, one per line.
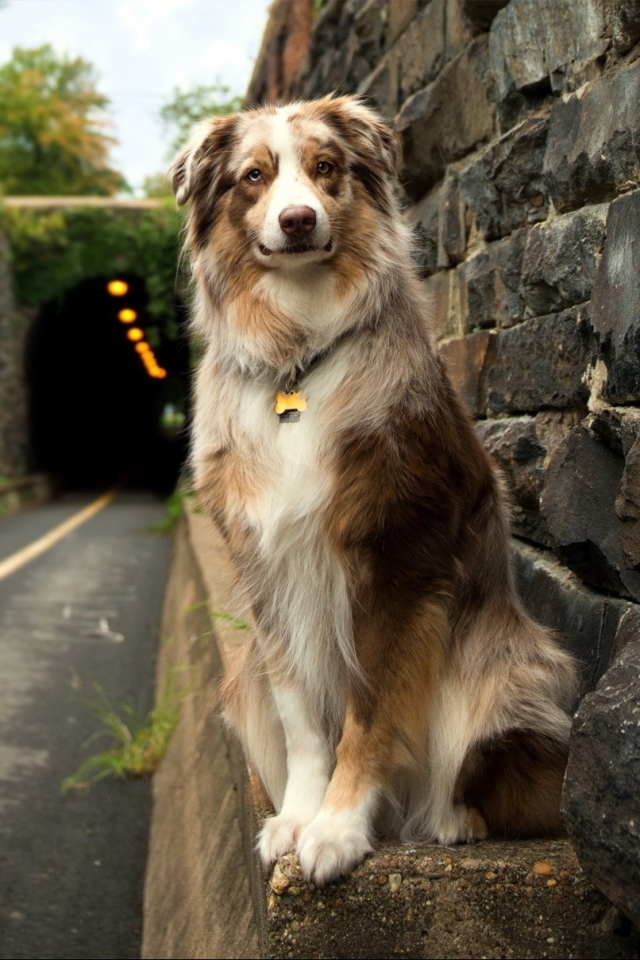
[24,492]
[207,896]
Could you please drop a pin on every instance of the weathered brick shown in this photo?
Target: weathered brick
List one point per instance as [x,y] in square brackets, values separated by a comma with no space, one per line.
[593,150]
[588,623]
[582,482]
[540,364]
[540,43]
[616,300]
[446,119]
[467,360]
[504,185]
[522,446]
[560,259]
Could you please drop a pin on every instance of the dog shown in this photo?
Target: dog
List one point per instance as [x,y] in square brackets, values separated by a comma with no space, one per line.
[394,683]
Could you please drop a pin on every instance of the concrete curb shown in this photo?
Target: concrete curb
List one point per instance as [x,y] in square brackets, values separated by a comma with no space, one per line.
[24,492]
[207,896]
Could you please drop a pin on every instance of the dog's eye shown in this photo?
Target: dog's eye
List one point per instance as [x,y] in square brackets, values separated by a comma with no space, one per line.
[254,176]
[324,167]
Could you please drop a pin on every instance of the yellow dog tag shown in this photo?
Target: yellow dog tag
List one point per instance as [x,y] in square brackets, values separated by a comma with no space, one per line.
[290,401]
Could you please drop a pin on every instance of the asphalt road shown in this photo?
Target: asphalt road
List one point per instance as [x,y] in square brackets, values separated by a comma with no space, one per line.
[72,867]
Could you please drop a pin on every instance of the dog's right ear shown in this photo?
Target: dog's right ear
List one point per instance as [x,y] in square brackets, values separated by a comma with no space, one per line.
[202,159]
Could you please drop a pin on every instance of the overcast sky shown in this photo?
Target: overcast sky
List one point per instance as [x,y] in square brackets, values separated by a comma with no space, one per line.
[142,49]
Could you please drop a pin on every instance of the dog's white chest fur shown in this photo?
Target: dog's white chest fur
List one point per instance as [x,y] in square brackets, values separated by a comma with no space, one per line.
[308,591]
[293,484]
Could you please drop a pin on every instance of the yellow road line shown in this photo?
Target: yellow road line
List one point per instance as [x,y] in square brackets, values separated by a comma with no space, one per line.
[33,550]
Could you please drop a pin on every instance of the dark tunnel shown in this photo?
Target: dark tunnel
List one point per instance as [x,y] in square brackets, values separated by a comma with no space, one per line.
[107,394]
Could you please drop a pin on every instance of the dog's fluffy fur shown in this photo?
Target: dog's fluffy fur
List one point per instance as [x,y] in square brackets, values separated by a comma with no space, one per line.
[394,681]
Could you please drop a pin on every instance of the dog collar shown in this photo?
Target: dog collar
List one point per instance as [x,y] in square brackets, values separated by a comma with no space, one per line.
[290,401]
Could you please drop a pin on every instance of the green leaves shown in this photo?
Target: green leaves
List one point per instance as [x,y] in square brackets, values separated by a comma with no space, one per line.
[53,138]
[190,106]
[53,250]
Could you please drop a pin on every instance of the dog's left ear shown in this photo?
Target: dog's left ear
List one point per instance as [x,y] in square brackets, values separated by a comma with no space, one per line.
[366,133]
[202,159]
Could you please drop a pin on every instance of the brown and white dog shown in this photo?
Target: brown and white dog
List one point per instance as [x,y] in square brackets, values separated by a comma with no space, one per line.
[394,682]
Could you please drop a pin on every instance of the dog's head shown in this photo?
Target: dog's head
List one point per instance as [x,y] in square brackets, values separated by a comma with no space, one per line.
[288,186]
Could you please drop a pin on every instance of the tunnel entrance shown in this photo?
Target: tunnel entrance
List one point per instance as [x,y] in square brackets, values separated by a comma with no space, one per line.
[107,392]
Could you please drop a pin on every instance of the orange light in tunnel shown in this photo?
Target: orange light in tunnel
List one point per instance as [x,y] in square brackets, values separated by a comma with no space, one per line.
[135,333]
[127,315]
[158,372]
[117,288]
[143,347]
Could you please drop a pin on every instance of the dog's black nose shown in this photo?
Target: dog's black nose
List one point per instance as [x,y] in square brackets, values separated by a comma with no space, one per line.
[297,221]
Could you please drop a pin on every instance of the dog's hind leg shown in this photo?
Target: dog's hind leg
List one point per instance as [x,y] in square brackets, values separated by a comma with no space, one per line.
[308,771]
[517,783]
[440,815]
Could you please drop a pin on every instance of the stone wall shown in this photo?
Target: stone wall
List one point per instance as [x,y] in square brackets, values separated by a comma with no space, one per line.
[520,126]
[14,327]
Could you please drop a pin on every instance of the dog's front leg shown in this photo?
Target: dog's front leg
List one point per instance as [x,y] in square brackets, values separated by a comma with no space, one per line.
[340,835]
[308,770]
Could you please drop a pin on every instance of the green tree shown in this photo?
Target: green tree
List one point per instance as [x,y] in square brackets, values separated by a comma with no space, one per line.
[52,127]
[187,107]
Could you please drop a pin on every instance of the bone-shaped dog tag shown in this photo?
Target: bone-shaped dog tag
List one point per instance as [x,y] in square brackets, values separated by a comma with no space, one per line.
[289,406]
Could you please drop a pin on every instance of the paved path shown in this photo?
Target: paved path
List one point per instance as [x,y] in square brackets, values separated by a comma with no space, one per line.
[72,867]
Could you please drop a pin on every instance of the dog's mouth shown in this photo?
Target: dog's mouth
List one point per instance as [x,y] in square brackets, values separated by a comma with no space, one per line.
[295,248]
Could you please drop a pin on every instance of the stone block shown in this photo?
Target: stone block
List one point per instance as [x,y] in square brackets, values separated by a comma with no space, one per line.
[589,624]
[507,255]
[481,12]
[371,23]
[623,24]
[616,300]
[541,363]
[504,185]
[430,41]
[452,226]
[380,89]
[482,293]
[467,360]
[582,483]
[448,118]
[593,150]
[424,218]
[541,43]
[620,429]
[400,14]
[522,446]
[560,260]
[444,293]
[490,285]
[600,799]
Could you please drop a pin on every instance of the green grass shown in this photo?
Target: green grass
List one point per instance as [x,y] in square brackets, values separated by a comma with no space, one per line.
[233,622]
[138,745]
[174,511]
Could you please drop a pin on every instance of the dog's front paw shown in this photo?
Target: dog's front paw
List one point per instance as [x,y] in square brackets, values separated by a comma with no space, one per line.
[464,825]
[277,837]
[330,848]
